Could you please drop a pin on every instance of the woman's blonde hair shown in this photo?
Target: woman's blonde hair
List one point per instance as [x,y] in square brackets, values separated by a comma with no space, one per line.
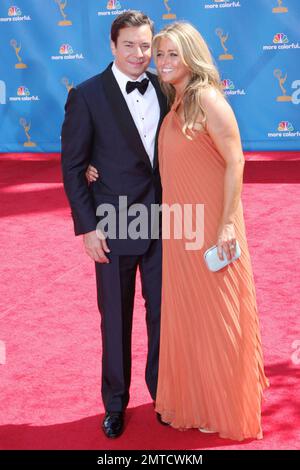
[195,54]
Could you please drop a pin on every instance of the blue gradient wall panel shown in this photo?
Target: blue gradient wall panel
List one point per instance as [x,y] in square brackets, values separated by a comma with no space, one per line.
[48,46]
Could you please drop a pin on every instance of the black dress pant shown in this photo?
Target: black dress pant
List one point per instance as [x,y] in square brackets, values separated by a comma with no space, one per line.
[116,289]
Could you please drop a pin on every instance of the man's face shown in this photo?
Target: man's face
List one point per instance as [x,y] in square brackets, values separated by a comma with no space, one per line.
[133,50]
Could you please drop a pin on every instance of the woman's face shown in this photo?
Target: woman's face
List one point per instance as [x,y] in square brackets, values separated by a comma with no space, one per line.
[170,66]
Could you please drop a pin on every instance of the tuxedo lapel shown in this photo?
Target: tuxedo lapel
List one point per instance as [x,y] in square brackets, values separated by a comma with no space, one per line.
[123,116]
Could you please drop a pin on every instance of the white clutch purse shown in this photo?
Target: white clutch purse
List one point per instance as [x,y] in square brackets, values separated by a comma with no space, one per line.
[214,263]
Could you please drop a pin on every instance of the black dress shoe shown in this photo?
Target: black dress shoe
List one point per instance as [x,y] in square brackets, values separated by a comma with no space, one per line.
[158,416]
[113,424]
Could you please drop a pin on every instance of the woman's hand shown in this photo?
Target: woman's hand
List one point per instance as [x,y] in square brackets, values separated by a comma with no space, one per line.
[91,174]
[226,241]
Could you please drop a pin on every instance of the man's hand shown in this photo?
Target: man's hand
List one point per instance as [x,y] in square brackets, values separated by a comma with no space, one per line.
[91,174]
[96,247]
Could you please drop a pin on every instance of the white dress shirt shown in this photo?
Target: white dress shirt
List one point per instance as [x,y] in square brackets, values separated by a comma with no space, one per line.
[144,109]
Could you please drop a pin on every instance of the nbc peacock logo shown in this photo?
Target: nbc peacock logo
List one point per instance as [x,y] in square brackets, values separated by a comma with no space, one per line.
[285,130]
[280,38]
[66,52]
[229,88]
[23,91]
[113,5]
[280,41]
[14,14]
[228,84]
[14,11]
[65,49]
[23,94]
[285,126]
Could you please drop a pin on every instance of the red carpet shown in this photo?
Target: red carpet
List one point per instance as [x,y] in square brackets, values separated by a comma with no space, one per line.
[50,393]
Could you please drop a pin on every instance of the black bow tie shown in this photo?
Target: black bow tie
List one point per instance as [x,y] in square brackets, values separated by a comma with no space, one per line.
[141,86]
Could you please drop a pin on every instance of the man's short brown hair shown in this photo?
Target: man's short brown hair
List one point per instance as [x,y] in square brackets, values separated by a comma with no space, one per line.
[128,19]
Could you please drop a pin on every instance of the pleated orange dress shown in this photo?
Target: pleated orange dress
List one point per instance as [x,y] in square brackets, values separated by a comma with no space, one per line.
[211,372]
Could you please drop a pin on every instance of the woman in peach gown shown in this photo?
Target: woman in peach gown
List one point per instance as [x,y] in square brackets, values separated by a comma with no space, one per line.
[211,374]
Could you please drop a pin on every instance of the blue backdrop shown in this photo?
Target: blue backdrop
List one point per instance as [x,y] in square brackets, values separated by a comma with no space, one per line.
[47,46]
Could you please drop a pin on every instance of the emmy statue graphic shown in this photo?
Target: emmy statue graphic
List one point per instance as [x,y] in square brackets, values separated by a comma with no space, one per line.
[280,9]
[284,96]
[62,7]
[168,16]
[17,49]
[65,81]
[27,129]
[223,39]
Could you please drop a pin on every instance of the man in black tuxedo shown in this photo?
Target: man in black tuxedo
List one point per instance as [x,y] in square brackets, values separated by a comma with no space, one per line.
[112,122]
